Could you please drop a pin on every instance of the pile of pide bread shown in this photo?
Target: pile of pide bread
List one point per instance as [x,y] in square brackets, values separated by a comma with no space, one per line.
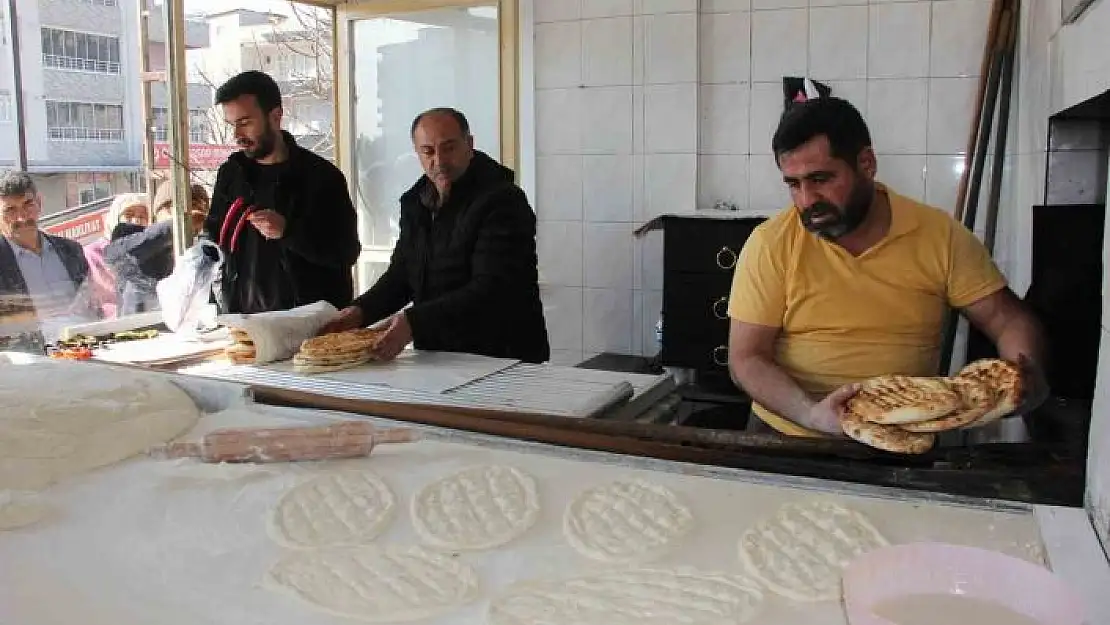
[904,414]
[319,354]
[337,351]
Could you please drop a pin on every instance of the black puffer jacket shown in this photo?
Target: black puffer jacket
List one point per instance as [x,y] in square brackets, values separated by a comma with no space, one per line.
[470,271]
[314,259]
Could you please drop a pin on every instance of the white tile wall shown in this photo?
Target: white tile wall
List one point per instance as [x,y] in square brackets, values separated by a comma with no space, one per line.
[780,43]
[664,106]
[606,51]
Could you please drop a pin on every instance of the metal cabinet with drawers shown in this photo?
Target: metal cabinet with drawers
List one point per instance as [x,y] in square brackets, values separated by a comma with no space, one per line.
[699,256]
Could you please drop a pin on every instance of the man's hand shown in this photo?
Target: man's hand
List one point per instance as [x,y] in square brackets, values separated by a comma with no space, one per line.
[397,335]
[824,416]
[269,222]
[348,319]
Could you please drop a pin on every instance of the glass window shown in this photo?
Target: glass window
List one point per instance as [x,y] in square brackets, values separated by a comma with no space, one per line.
[83,121]
[6,106]
[63,49]
[459,57]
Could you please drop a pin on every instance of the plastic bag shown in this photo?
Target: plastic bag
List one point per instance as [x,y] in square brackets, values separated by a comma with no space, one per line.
[185,294]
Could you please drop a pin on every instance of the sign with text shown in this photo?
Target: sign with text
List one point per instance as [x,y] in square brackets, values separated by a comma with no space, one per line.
[202,156]
[83,229]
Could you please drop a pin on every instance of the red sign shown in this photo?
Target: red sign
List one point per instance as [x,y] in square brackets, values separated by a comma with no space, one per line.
[202,156]
[84,229]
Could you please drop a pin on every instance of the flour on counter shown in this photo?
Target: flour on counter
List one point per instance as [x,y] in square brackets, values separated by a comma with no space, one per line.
[342,508]
[61,419]
[801,551]
[391,584]
[623,522]
[634,597]
[21,510]
[477,508]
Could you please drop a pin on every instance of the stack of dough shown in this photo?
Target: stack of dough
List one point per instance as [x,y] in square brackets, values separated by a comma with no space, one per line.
[242,350]
[903,414]
[337,351]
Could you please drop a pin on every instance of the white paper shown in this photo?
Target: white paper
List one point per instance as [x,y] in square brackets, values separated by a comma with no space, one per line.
[278,335]
[429,372]
[162,348]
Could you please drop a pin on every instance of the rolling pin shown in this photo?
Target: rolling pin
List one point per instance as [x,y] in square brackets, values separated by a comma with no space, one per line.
[349,439]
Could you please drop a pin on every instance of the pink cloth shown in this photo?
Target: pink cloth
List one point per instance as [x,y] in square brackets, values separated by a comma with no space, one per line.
[102,282]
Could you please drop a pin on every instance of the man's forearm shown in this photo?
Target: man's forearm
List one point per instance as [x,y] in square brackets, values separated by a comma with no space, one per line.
[1022,336]
[772,388]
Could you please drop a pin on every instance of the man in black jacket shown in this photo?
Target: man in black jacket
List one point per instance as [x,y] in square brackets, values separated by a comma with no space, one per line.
[42,277]
[465,259]
[281,214]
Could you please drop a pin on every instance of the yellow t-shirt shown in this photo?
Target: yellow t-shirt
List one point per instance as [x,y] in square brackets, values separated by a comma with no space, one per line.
[845,319]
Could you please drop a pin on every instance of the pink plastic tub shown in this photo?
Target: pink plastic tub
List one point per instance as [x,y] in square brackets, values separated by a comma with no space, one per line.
[936,568]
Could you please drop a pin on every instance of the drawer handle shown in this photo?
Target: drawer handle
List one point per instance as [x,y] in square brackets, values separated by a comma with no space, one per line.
[720,308]
[720,355]
[726,258]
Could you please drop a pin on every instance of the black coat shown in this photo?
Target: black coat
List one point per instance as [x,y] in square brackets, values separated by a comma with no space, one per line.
[470,272]
[139,257]
[315,257]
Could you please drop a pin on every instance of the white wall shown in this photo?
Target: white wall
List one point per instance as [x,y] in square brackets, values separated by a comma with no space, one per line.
[1061,67]
[645,107]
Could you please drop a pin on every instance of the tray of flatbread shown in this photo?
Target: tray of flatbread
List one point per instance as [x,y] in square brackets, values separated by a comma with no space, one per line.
[904,414]
[337,351]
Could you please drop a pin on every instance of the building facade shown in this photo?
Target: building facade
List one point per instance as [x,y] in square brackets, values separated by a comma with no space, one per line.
[78,75]
[293,48]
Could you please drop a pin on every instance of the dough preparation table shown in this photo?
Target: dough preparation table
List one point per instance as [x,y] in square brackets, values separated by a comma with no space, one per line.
[177,542]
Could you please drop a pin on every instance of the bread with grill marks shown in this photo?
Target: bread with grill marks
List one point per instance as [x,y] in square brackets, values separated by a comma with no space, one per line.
[898,399]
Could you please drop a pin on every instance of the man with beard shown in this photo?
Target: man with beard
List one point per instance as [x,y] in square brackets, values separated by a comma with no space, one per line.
[42,277]
[281,214]
[853,280]
[465,258]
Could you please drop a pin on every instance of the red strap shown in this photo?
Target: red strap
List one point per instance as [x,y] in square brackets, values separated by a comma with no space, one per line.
[239,227]
[226,227]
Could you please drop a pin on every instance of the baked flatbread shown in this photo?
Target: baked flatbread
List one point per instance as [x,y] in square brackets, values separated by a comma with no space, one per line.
[977,399]
[240,353]
[240,336]
[349,342]
[310,365]
[1001,376]
[897,399]
[886,437]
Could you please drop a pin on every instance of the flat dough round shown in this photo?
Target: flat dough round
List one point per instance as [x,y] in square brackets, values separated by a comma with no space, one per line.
[477,508]
[624,522]
[801,551]
[378,585]
[60,419]
[18,511]
[345,508]
[631,597]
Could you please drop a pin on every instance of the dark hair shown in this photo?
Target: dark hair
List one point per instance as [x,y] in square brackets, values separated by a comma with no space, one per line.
[455,114]
[255,83]
[835,118]
[13,183]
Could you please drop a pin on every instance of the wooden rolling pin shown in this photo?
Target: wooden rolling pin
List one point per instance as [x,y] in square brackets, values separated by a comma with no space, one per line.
[349,439]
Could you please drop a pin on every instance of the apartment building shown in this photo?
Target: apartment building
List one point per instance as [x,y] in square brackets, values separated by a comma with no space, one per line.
[78,63]
[293,48]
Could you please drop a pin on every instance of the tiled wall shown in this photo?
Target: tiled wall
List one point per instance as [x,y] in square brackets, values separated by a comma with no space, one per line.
[645,107]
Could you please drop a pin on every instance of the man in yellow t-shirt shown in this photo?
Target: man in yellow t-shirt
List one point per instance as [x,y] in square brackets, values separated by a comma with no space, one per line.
[853,280]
